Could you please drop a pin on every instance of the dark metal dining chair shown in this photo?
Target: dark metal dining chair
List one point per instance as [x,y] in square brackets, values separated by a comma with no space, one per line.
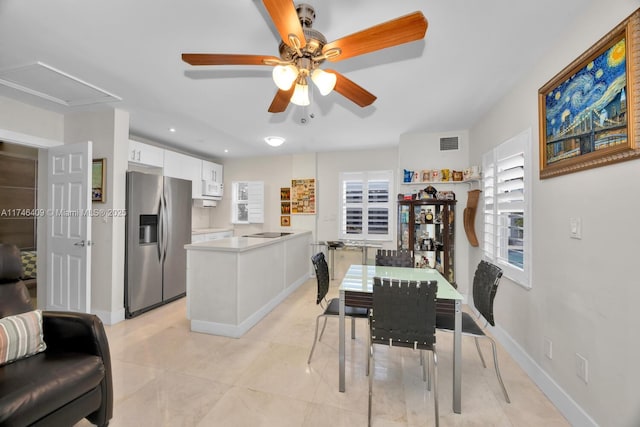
[331,308]
[394,258]
[404,315]
[485,286]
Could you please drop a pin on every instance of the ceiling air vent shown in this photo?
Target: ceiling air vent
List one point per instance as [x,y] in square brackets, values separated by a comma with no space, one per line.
[449,143]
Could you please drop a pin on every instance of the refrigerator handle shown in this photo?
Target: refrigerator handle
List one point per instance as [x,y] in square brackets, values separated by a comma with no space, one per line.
[165,227]
[160,243]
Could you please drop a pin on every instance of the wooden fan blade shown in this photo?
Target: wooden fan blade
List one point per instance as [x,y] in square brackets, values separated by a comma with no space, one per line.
[281,100]
[284,16]
[352,91]
[401,30]
[226,59]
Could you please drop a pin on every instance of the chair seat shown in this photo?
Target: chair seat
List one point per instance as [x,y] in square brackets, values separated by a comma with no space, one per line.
[469,326]
[333,309]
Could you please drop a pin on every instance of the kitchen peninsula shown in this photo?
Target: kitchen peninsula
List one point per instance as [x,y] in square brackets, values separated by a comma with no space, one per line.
[233,283]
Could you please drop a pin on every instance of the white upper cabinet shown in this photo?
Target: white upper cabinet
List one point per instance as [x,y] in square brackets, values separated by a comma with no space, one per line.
[145,154]
[212,179]
[178,165]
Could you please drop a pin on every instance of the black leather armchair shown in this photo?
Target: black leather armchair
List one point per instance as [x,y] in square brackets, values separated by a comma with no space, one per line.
[70,380]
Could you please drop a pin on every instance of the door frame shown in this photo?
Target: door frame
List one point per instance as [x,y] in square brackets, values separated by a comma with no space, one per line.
[41,245]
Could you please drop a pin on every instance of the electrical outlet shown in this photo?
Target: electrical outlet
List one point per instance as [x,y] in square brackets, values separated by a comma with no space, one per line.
[548,348]
[582,368]
[575,228]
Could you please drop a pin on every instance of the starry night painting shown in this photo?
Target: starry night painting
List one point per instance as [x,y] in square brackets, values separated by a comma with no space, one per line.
[588,111]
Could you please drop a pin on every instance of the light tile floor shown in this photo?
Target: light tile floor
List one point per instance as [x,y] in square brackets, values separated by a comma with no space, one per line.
[166,375]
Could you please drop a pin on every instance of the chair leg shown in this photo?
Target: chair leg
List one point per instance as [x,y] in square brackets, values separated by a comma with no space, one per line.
[315,337]
[323,326]
[495,364]
[479,352]
[435,386]
[371,362]
[353,328]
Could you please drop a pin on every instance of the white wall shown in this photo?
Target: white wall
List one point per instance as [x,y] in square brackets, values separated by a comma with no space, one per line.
[276,172]
[330,164]
[585,292]
[109,131]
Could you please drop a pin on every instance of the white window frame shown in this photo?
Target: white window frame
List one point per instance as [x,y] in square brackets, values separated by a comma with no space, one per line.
[365,177]
[254,202]
[500,198]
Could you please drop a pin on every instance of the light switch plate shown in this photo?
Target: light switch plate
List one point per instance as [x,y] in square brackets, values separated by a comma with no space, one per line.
[575,228]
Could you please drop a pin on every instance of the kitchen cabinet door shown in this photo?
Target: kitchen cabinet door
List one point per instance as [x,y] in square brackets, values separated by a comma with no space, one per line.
[180,165]
[145,154]
[212,179]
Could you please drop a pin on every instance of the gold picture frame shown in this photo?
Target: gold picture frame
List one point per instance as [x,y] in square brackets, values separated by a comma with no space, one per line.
[285,221]
[588,112]
[98,174]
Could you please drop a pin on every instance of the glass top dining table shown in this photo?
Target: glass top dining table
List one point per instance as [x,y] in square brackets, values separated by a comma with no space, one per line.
[356,289]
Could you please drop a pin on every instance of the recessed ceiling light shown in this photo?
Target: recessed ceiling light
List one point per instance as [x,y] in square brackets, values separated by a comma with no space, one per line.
[172,129]
[226,150]
[274,141]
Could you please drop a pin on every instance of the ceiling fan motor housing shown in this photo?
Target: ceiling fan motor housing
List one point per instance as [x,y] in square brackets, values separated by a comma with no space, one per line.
[315,40]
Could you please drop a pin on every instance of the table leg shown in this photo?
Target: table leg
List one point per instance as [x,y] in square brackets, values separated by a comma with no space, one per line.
[364,255]
[331,255]
[457,359]
[341,345]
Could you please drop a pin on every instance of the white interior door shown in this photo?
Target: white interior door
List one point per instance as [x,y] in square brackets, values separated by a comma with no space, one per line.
[69,228]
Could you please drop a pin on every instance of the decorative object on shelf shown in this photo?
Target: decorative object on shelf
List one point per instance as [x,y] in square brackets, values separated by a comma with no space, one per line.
[407,176]
[469,214]
[445,195]
[429,215]
[599,129]
[426,175]
[457,175]
[446,175]
[431,191]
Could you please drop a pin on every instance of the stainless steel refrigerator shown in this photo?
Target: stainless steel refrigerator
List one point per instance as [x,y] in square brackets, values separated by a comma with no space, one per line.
[158,226]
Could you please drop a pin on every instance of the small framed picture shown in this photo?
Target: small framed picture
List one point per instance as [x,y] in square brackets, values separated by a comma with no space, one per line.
[97,180]
[285,208]
[285,193]
[285,221]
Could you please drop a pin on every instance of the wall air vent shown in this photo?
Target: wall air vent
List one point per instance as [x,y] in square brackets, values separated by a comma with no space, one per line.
[49,83]
[449,143]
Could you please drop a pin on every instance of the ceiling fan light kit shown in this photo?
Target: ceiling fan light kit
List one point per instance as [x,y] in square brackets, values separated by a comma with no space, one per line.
[303,49]
[284,76]
[301,93]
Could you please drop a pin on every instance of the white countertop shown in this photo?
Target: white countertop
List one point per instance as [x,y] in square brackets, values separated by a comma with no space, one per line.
[209,230]
[241,244]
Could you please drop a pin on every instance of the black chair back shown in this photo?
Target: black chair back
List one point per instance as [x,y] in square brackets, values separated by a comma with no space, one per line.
[393,258]
[404,312]
[485,286]
[322,275]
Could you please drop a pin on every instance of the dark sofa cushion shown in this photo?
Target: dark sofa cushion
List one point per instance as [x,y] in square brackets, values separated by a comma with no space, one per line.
[37,386]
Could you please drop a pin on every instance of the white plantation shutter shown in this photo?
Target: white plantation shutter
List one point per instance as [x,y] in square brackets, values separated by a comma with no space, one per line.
[365,205]
[506,207]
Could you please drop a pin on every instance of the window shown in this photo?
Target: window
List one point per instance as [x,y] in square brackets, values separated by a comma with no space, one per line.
[507,224]
[247,205]
[365,205]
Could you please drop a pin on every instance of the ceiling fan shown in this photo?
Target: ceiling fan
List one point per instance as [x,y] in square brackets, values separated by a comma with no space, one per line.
[303,49]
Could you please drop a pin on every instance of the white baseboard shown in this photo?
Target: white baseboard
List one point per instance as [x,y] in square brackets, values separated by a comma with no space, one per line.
[561,399]
[110,317]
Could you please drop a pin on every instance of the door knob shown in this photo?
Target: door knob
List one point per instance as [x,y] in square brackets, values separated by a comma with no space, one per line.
[80,243]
